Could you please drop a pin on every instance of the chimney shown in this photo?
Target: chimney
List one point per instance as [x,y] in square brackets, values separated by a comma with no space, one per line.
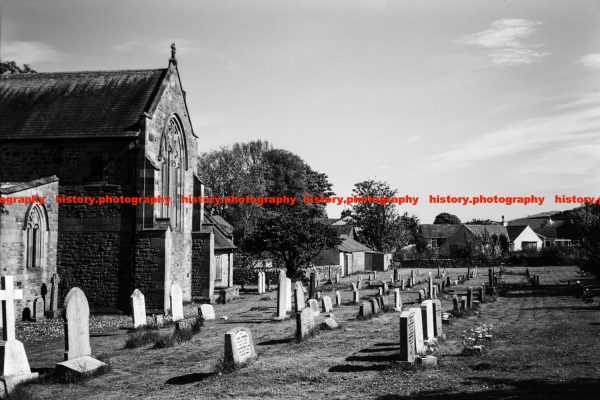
[504,223]
[173,60]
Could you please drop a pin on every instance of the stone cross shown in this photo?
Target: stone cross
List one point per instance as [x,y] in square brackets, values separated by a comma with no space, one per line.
[8,295]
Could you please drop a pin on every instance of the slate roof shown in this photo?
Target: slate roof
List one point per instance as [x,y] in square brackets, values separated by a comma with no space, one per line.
[479,230]
[76,104]
[514,231]
[14,187]
[221,242]
[350,245]
[439,230]
[224,225]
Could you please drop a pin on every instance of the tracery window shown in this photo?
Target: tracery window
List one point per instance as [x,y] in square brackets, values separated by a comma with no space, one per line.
[172,159]
[36,234]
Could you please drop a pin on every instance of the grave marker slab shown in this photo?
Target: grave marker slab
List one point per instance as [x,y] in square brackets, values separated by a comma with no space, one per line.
[313,285]
[469,297]
[53,311]
[338,298]
[239,347]
[281,297]
[365,310]
[299,303]
[207,312]
[176,302]
[397,300]
[419,345]
[314,306]
[288,295]
[38,309]
[427,317]
[375,306]
[355,297]
[407,337]
[437,317]
[138,308]
[305,323]
[326,304]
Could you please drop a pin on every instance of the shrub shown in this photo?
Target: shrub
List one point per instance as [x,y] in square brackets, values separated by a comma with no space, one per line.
[141,338]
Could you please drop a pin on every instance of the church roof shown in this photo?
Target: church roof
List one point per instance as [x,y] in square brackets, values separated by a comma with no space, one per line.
[14,187]
[76,104]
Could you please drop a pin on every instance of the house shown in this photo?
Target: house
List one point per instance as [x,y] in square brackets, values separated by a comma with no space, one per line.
[476,238]
[351,255]
[546,227]
[522,237]
[437,234]
[113,135]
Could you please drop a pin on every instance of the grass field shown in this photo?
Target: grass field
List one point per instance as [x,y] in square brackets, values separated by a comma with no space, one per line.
[545,345]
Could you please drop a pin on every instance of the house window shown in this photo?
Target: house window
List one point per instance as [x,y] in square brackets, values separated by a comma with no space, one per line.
[172,159]
[529,245]
[35,233]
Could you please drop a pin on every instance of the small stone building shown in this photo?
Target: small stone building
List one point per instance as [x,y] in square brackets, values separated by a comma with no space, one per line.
[107,134]
[28,237]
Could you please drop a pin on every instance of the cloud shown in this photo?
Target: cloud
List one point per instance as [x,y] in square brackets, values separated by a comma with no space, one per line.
[591,61]
[23,52]
[413,138]
[561,135]
[506,41]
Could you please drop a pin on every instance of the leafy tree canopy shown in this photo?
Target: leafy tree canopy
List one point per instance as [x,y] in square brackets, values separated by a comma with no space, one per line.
[446,218]
[11,67]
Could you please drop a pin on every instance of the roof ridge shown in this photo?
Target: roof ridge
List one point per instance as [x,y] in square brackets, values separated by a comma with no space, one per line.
[46,74]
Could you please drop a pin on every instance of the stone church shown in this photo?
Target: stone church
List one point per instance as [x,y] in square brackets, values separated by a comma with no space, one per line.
[106,133]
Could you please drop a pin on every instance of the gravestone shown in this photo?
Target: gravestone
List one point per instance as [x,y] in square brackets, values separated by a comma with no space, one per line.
[365,310]
[26,314]
[159,320]
[386,289]
[430,287]
[207,312]
[443,286]
[355,297]
[312,286]
[421,295]
[437,317]
[469,297]
[44,292]
[448,281]
[412,276]
[288,295]
[374,275]
[481,294]
[52,311]
[354,287]
[337,279]
[359,284]
[463,302]
[326,304]
[427,317]
[281,297]
[338,298]
[176,302]
[407,337]
[78,352]
[38,309]
[409,282]
[490,277]
[305,323]
[379,291]
[397,300]
[14,366]
[392,279]
[375,306]
[314,306]
[396,274]
[419,345]
[261,282]
[455,303]
[318,296]
[299,303]
[138,308]
[239,347]
[383,302]
[329,322]
[403,284]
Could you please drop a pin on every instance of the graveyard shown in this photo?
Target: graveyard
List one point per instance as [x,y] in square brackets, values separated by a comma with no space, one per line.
[532,338]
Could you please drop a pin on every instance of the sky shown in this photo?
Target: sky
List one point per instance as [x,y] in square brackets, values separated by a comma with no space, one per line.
[462,97]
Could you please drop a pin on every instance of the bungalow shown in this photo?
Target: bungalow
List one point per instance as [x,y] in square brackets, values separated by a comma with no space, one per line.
[437,234]
[545,227]
[522,237]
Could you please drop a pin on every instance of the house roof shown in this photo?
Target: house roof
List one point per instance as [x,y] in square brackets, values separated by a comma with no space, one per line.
[514,231]
[439,230]
[352,246]
[76,104]
[222,242]
[224,225]
[14,187]
[480,230]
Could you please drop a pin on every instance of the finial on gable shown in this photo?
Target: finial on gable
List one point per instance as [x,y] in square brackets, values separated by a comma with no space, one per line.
[173,60]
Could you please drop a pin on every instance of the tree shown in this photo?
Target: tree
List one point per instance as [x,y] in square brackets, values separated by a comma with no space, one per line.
[504,243]
[446,218]
[476,221]
[11,67]
[380,226]
[293,236]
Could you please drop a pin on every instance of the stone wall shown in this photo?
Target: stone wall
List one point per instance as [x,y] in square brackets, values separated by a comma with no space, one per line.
[202,262]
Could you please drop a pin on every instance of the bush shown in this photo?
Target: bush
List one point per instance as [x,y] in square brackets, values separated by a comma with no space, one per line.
[141,338]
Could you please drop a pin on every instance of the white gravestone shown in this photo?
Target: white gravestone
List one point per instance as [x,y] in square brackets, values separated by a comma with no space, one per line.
[397,300]
[239,347]
[288,295]
[305,323]
[138,308]
[207,312]
[281,297]
[176,302]
[314,306]
[14,366]
[419,345]
[427,316]
[78,352]
[338,298]
[326,304]
[299,297]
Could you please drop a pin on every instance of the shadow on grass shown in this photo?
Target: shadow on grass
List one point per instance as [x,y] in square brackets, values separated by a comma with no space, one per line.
[385,344]
[581,388]
[359,368]
[190,378]
[275,341]
[376,359]
[379,350]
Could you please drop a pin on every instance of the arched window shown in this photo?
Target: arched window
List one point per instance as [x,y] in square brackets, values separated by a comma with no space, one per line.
[172,159]
[36,226]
